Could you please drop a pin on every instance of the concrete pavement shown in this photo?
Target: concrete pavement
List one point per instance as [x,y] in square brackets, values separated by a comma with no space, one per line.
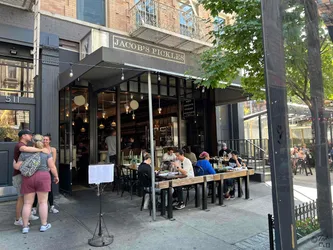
[241,224]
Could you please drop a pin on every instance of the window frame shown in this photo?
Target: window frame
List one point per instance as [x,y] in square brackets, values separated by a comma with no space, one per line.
[81,4]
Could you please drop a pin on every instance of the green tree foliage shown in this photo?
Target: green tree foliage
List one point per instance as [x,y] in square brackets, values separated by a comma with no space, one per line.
[240,46]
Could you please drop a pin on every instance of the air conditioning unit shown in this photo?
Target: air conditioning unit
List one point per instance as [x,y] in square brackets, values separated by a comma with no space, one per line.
[93,41]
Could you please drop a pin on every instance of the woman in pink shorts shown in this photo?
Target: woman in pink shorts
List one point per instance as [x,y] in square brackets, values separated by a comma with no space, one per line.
[39,183]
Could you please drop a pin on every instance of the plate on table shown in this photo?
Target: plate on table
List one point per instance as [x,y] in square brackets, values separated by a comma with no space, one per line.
[163,174]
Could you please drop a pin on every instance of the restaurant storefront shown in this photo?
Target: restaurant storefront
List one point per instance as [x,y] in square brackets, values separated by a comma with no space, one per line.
[112,85]
[85,88]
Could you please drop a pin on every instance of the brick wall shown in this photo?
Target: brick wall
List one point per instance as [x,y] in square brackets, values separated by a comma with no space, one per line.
[61,7]
[119,15]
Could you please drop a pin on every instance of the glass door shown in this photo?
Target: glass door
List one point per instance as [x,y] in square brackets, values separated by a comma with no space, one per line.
[65,140]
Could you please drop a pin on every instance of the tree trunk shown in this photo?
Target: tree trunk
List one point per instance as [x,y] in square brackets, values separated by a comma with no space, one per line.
[324,200]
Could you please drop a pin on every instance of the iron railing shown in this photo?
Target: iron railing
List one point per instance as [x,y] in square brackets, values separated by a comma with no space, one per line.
[153,13]
[254,152]
[306,215]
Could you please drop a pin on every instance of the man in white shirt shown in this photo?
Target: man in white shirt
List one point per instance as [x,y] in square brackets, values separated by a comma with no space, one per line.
[111,142]
[184,166]
[169,156]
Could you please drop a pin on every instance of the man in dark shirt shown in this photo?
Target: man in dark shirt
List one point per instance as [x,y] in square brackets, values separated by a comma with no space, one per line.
[225,150]
[229,186]
[25,137]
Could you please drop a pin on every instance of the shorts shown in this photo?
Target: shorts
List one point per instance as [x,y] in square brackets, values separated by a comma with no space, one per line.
[39,182]
[17,182]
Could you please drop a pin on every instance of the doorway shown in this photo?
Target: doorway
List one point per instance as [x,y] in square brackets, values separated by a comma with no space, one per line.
[74,139]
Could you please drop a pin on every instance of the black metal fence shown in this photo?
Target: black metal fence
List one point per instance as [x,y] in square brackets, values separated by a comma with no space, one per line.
[306,221]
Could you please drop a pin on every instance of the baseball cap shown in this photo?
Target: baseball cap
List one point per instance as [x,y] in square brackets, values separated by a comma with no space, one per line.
[24,132]
[203,154]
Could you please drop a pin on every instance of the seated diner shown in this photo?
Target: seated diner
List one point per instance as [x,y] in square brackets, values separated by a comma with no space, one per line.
[184,166]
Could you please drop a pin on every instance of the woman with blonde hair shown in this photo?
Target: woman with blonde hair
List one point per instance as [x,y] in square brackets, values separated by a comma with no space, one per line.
[40,183]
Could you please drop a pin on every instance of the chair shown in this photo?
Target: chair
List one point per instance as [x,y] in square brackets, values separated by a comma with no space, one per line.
[145,183]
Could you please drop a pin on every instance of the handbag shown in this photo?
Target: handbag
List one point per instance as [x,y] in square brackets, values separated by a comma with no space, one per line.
[30,165]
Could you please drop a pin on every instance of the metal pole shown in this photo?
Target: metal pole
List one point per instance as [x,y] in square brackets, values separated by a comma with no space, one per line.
[151,136]
[278,127]
[118,127]
[324,201]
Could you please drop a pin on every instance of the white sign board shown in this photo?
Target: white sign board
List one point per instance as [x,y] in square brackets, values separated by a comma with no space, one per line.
[101,173]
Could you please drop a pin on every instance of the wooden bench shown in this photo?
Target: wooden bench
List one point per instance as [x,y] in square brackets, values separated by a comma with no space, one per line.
[203,180]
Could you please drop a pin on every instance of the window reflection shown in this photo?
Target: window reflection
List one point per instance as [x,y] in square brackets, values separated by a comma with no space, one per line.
[11,122]
[16,78]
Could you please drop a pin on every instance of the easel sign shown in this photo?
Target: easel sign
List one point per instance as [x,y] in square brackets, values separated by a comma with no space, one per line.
[101,173]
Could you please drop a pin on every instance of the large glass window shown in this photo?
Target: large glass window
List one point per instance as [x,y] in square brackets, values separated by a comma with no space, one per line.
[92,11]
[11,122]
[16,78]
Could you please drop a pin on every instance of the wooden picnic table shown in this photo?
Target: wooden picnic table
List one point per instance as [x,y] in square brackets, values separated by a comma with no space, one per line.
[203,180]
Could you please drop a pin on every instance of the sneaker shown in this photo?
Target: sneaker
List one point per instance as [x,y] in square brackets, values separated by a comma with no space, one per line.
[175,203]
[181,205]
[25,230]
[44,228]
[33,217]
[53,210]
[34,211]
[18,222]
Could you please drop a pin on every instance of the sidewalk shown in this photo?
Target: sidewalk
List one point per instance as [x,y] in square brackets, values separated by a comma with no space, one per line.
[241,224]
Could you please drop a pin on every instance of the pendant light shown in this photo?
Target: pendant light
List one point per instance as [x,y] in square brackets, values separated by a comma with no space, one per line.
[103,111]
[113,124]
[127,106]
[159,105]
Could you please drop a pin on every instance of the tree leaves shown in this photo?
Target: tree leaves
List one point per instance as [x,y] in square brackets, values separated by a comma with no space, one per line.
[242,47]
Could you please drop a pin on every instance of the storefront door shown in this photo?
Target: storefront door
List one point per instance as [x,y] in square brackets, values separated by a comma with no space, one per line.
[65,141]
[13,117]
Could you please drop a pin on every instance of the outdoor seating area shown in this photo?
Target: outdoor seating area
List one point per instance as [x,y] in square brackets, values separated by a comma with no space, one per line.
[201,188]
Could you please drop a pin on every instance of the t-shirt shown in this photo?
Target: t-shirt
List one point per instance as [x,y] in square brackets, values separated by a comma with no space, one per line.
[191,156]
[111,141]
[17,153]
[144,168]
[227,151]
[232,162]
[206,167]
[43,160]
[187,166]
[167,157]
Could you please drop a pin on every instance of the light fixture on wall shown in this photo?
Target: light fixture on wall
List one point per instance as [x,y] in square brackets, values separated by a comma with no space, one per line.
[85,120]
[159,77]
[71,71]
[122,75]
[73,123]
[203,89]
[141,97]
[132,96]
[104,114]
[159,105]
[86,106]
[133,115]
[67,114]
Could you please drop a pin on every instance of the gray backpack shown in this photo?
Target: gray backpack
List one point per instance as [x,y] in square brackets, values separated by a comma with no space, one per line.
[30,165]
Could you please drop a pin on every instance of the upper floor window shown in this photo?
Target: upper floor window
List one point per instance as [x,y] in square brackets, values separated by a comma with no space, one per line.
[92,11]
[16,78]
[219,23]
[186,19]
[146,12]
